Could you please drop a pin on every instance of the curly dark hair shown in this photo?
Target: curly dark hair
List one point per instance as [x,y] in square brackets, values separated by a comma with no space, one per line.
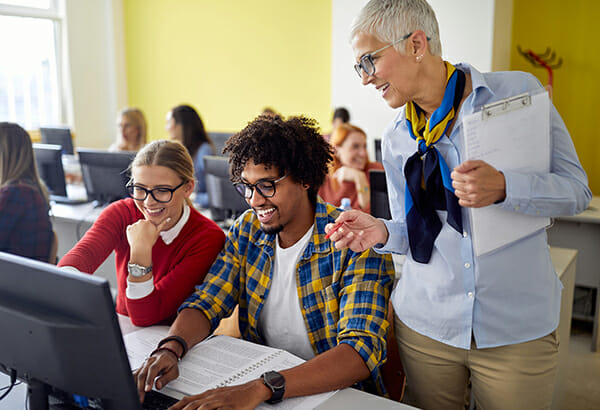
[294,146]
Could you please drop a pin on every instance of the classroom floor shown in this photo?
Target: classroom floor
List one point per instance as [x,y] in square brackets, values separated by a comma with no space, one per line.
[583,378]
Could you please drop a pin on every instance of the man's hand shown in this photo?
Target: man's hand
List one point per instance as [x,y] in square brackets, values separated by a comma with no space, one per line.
[478,184]
[162,365]
[357,230]
[243,396]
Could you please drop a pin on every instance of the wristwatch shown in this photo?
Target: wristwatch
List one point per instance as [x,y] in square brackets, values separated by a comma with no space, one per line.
[276,382]
[137,271]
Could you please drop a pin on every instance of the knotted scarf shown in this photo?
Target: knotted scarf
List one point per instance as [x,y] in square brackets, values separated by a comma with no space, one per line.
[428,183]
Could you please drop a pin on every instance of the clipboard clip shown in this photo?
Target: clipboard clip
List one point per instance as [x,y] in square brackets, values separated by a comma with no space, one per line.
[506,105]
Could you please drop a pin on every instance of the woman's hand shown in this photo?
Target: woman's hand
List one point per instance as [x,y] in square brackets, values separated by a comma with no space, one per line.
[478,184]
[163,365]
[357,230]
[142,235]
[360,180]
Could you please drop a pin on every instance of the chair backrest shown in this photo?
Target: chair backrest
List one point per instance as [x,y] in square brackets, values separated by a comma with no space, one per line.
[377,150]
[380,205]
[223,200]
[219,138]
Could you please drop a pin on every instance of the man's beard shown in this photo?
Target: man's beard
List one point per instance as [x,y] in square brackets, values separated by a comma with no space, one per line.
[272,230]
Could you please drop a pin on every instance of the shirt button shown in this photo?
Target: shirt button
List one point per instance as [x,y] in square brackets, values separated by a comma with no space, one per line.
[464,234]
[470,294]
[467,265]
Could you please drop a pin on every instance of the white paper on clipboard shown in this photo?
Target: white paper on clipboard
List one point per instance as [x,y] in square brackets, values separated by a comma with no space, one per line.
[512,134]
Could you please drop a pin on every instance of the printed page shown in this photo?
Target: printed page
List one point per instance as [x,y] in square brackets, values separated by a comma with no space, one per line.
[517,140]
[219,361]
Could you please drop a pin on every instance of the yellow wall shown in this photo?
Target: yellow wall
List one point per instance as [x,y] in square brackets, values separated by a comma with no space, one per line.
[572,30]
[229,59]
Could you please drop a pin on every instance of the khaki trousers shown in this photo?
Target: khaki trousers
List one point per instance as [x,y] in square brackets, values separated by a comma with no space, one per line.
[517,376]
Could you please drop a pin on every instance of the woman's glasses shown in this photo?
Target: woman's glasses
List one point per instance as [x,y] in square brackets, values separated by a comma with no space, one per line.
[161,194]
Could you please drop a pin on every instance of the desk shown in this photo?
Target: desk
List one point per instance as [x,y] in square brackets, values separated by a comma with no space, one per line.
[70,222]
[582,232]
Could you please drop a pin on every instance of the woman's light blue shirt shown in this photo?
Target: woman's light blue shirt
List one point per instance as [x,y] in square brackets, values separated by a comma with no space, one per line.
[512,294]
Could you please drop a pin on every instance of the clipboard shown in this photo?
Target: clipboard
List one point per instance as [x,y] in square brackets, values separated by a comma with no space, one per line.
[511,134]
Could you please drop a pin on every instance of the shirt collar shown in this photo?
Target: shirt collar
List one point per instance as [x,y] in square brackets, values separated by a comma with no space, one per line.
[170,235]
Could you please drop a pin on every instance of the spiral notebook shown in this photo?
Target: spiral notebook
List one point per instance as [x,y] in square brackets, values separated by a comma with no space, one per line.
[219,361]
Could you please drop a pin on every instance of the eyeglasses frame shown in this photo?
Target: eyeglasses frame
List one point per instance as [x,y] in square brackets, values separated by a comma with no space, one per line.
[151,192]
[253,187]
[360,68]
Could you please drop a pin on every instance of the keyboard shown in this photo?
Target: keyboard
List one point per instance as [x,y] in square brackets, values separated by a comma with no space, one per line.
[66,200]
[154,400]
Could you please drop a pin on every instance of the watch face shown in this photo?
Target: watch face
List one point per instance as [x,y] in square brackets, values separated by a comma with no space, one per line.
[274,379]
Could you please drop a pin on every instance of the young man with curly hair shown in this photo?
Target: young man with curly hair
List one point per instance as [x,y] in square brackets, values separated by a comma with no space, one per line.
[295,290]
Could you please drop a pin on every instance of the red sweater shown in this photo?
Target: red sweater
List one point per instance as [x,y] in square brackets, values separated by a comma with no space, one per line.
[346,189]
[177,268]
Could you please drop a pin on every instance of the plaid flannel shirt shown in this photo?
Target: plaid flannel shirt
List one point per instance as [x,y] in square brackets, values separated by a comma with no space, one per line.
[343,294]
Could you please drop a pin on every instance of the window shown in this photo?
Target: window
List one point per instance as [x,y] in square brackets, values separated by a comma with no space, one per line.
[30,86]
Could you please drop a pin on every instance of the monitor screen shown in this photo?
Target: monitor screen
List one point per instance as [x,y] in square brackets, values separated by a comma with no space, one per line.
[58,136]
[223,200]
[48,159]
[380,206]
[60,335]
[105,174]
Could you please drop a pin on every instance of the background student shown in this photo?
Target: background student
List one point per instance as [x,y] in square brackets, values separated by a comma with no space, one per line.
[25,227]
[349,175]
[132,131]
[294,289]
[185,125]
[163,246]
[492,318]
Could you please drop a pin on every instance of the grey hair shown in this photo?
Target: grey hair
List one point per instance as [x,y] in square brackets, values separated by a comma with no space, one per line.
[390,20]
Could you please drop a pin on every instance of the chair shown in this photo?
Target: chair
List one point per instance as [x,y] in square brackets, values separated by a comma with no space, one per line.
[223,200]
[377,150]
[392,371]
[380,206]
[218,139]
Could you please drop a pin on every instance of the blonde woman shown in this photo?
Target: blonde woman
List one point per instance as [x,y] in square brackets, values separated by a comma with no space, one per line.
[25,227]
[132,131]
[163,246]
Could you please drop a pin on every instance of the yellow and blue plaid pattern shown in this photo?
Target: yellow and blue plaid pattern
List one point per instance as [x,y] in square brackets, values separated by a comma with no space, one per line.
[343,294]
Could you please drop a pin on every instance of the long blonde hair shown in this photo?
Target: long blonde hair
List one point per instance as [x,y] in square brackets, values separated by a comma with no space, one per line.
[17,163]
[170,154]
[137,117]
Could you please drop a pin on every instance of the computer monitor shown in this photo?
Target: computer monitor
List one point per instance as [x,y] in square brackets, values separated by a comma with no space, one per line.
[48,158]
[58,136]
[105,174]
[218,139]
[378,156]
[223,200]
[380,205]
[61,336]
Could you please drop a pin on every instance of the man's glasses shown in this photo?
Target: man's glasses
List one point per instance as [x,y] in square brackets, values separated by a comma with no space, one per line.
[366,63]
[162,194]
[265,188]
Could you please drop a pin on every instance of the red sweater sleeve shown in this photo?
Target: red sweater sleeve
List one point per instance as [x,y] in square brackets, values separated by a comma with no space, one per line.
[105,235]
[178,268]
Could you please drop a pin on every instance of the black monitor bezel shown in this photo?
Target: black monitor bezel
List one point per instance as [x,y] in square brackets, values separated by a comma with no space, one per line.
[50,155]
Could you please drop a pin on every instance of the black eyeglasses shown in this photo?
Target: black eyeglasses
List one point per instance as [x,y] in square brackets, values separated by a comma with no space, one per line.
[161,194]
[265,188]
[367,65]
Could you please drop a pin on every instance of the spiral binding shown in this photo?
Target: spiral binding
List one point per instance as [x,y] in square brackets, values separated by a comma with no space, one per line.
[249,369]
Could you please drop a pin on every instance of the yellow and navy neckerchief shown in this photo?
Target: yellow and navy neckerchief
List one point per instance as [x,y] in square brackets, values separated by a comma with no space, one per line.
[428,183]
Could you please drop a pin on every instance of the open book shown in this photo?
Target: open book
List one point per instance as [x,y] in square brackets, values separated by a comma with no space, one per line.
[219,361]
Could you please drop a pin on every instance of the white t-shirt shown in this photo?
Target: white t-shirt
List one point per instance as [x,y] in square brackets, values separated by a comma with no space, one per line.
[281,322]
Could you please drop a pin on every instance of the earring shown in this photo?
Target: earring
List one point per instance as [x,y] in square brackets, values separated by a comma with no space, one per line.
[419,58]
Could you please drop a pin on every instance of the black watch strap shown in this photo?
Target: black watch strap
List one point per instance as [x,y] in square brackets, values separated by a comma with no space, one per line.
[276,382]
